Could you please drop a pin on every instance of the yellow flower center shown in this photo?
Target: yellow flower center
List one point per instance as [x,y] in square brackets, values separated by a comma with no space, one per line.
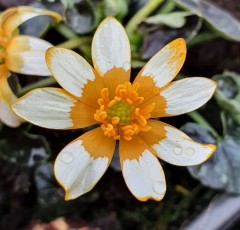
[123,116]
[122,110]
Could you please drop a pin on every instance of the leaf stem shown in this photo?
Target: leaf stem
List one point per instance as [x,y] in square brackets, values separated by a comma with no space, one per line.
[198,118]
[74,42]
[167,7]
[40,84]
[201,38]
[146,10]
[81,43]
[65,31]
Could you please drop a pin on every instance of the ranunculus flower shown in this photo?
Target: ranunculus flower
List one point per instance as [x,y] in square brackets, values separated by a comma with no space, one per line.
[124,111]
[19,53]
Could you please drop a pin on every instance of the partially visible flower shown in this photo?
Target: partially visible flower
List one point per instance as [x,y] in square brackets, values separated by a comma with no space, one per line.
[104,95]
[19,53]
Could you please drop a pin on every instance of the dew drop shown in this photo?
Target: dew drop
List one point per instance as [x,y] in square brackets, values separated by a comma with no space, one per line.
[190,151]
[67,158]
[177,150]
[224,179]
[126,66]
[159,187]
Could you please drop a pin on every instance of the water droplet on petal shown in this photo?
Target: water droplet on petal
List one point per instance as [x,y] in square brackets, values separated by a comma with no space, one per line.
[159,187]
[67,157]
[190,151]
[177,150]
[126,66]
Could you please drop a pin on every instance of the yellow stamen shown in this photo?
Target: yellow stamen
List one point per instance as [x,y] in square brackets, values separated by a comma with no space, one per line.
[121,116]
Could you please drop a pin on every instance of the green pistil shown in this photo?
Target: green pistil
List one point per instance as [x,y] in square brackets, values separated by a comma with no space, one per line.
[122,110]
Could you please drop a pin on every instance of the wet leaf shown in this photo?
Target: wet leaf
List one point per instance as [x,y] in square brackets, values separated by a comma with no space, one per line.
[221,171]
[80,15]
[50,196]
[20,153]
[39,25]
[173,20]
[117,8]
[156,36]
[155,41]
[12,3]
[228,93]
[49,192]
[220,19]
[34,151]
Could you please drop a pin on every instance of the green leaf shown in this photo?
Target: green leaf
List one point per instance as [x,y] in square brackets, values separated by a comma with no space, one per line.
[221,171]
[20,147]
[80,15]
[218,18]
[116,8]
[228,93]
[173,20]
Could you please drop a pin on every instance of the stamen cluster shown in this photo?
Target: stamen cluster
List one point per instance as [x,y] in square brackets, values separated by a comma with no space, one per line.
[122,115]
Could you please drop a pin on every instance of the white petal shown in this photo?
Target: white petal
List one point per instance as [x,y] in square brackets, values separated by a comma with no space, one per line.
[110,47]
[81,164]
[188,94]
[7,116]
[48,107]
[145,177]
[166,64]
[70,70]
[178,149]
[26,55]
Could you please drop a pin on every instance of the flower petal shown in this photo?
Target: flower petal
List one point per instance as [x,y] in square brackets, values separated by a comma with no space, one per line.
[82,163]
[164,65]
[142,171]
[54,108]
[174,146]
[7,116]
[110,47]
[70,70]
[185,95]
[13,17]
[26,55]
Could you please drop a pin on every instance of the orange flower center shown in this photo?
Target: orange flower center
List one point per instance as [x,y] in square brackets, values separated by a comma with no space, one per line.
[123,116]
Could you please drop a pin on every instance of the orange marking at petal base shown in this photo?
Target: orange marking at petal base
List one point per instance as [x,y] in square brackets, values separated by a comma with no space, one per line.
[152,97]
[82,115]
[92,94]
[131,150]
[115,77]
[155,135]
[92,91]
[103,146]
[120,115]
[15,46]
